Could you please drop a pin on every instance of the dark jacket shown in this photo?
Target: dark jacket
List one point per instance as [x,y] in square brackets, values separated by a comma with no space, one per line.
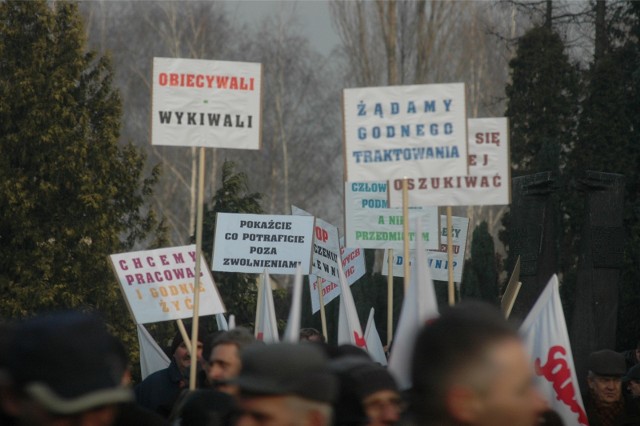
[160,390]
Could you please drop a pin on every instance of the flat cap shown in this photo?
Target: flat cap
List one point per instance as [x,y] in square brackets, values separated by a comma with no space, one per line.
[287,369]
[607,363]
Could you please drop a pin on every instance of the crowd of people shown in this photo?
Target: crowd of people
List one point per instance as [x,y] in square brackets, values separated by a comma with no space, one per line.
[469,367]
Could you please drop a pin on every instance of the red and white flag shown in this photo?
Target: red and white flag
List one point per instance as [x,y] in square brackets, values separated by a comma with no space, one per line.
[349,328]
[544,332]
[419,306]
[374,344]
[266,324]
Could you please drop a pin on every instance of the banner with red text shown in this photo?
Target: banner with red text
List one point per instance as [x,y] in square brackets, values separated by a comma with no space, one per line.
[397,131]
[326,247]
[488,181]
[545,335]
[214,104]
[158,284]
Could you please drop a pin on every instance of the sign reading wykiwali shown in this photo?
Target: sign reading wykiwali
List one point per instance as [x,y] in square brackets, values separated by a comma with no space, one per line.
[397,131]
[488,182]
[326,247]
[369,223]
[438,261]
[251,243]
[158,284]
[206,103]
[353,266]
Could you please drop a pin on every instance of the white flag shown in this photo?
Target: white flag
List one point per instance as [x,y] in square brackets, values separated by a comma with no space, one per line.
[544,332]
[221,322]
[349,328]
[152,357]
[292,332]
[374,344]
[232,322]
[418,306]
[266,324]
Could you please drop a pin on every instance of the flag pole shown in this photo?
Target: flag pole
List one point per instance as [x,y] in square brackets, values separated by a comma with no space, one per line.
[259,297]
[196,280]
[389,297]
[323,316]
[452,294]
[405,226]
[185,335]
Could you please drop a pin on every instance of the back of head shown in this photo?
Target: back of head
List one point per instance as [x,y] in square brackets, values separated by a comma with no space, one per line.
[67,362]
[447,346]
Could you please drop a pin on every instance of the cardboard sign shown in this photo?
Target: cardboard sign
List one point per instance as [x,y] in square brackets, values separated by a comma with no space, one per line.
[397,131]
[437,261]
[203,103]
[251,243]
[158,284]
[370,224]
[488,182]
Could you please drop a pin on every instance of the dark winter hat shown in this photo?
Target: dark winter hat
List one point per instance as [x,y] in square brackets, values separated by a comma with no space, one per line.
[607,363]
[632,374]
[67,362]
[286,369]
[177,338]
[371,378]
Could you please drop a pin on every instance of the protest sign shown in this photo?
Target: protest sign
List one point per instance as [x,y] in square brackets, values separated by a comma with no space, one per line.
[488,182]
[353,266]
[437,260]
[326,247]
[251,243]
[158,284]
[397,131]
[369,223]
[204,103]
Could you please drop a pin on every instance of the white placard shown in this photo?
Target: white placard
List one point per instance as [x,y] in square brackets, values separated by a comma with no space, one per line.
[488,182]
[158,284]
[205,103]
[326,247]
[370,224]
[354,268]
[405,131]
[437,261]
[251,243]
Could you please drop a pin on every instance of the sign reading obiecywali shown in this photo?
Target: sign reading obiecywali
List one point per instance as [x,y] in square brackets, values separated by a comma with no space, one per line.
[369,223]
[251,243]
[488,182]
[437,261]
[405,131]
[158,284]
[206,103]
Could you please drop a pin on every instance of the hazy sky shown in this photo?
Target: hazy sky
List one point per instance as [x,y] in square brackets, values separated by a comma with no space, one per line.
[314,17]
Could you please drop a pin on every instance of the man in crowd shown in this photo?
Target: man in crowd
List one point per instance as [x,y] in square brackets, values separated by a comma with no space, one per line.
[160,390]
[63,369]
[285,384]
[632,380]
[222,355]
[470,368]
[604,403]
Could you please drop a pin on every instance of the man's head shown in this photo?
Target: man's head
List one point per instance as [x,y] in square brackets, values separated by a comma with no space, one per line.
[367,391]
[64,369]
[632,381]
[285,384]
[606,368]
[470,367]
[181,354]
[311,335]
[222,355]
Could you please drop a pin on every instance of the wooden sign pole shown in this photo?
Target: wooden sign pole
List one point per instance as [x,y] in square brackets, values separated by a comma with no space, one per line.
[452,291]
[405,226]
[389,297]
[323,316]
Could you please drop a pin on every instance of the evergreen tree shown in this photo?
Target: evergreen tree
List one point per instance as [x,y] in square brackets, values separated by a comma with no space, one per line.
[480,278]
[70,194]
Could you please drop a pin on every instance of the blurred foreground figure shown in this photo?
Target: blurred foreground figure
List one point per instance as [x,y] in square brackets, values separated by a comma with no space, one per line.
[470,368]
[285,384]
[222,355]
[63,369]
